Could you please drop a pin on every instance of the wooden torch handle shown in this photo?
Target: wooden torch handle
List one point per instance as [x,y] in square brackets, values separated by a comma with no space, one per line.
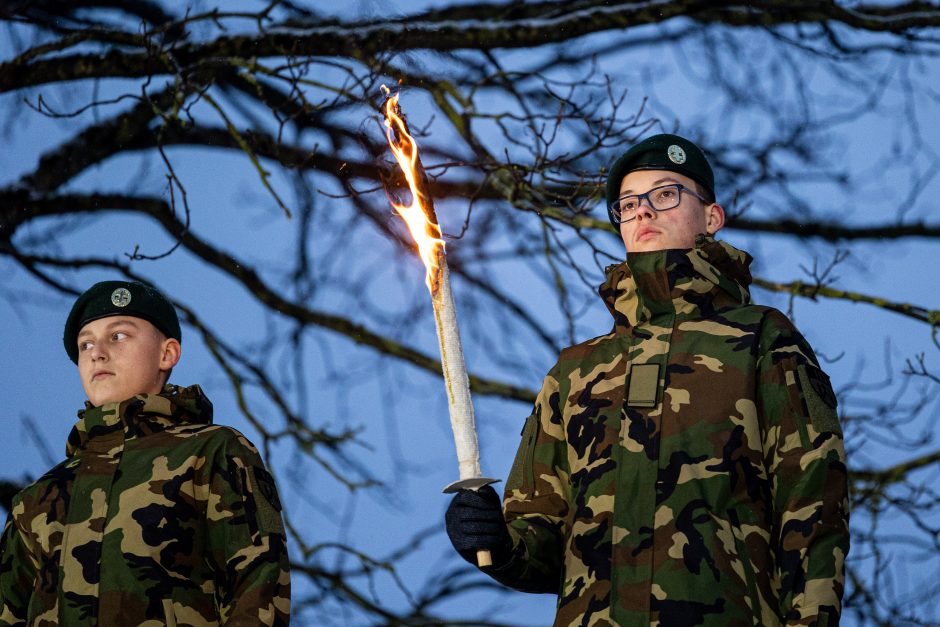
[484,558]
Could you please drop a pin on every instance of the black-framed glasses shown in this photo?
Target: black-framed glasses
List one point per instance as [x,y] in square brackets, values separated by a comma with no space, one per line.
[660,198]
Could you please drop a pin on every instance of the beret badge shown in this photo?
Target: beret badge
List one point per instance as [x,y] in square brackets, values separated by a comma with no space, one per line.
[120,297]
[676,154]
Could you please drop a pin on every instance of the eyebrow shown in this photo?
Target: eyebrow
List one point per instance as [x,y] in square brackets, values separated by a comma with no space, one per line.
[668,179]
[110,326]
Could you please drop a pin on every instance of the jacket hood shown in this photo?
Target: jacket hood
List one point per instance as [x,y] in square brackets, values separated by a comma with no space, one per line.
[104,427]
[680,282]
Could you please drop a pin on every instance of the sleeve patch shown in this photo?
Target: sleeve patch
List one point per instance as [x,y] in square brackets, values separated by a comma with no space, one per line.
[520,477]
[268,503]
[820,399]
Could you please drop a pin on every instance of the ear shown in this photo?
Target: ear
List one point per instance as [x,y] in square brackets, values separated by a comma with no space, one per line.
[714,218]
[170,353]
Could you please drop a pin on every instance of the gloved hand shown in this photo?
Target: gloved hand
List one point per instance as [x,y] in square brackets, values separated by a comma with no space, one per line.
[474,521]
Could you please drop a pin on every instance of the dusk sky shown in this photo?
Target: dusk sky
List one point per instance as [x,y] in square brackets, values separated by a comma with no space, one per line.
[399,410]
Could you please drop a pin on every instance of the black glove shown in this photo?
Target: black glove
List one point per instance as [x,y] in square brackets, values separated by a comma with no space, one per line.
[474,521]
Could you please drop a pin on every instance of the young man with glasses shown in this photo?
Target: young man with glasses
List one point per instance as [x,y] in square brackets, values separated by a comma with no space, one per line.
[686,468]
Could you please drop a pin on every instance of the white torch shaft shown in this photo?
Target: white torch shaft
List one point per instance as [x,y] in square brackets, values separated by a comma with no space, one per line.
[455,375]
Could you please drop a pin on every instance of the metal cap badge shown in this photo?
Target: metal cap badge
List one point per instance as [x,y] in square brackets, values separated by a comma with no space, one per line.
[120,297]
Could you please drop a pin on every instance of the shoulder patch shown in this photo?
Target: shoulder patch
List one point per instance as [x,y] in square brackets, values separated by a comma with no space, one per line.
[820,399]
[521,475]
[267,501]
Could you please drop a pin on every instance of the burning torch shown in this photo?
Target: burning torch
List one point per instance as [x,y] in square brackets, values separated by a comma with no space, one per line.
[424,228]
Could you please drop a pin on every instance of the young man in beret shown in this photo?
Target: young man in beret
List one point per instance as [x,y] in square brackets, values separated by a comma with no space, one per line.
[686,468]
[156,516]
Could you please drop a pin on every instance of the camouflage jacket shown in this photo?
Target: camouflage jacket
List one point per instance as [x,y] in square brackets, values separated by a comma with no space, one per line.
[156,517]
[687,468]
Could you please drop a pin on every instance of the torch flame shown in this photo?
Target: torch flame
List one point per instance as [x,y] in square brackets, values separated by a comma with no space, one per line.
[421,221]
[426,233]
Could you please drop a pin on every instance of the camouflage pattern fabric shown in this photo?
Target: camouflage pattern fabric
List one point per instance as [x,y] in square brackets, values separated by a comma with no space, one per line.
[688,467]
[156,517]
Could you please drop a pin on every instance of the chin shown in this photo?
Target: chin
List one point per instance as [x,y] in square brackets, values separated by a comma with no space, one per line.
[645,247]
[103,399]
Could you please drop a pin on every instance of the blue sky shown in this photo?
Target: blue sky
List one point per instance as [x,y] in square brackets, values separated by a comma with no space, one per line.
[401,411]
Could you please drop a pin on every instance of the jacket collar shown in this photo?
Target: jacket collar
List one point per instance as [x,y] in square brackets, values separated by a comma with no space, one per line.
[684,283]
[101,428]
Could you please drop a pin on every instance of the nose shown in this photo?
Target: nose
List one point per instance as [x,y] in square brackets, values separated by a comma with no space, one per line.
[98,352]
[644,210]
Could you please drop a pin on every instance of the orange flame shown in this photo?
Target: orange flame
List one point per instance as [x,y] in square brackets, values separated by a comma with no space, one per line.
[426,234]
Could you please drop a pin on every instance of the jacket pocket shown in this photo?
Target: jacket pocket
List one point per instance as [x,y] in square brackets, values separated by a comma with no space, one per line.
[522,475]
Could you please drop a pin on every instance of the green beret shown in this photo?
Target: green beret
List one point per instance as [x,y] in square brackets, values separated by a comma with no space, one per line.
[120,298]
[662,152]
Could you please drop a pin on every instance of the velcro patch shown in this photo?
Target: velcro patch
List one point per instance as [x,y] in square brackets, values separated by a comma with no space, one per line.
[820,399]
[644,385]
[267,501]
